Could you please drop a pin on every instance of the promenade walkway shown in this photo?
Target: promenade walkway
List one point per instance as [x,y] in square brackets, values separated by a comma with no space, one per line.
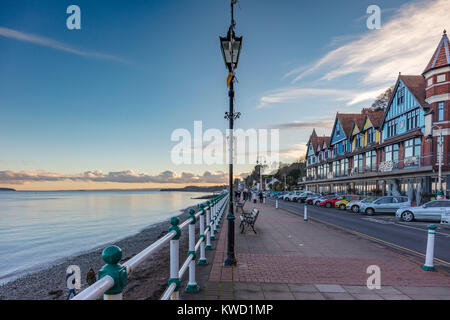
[294,259]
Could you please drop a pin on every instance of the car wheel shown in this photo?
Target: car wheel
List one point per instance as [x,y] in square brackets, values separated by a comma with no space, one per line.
[355,209]
[342,207]
[328,205]
[407,216]
[370,211]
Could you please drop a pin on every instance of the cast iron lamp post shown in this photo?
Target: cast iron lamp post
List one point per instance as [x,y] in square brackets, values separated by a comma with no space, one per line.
[440,156]
[231,49]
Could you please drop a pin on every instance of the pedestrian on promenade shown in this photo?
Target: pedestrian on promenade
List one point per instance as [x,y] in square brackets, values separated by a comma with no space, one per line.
[261,197]
[254,197]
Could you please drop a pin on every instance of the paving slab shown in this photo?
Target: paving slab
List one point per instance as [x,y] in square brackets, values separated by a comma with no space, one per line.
[330,288]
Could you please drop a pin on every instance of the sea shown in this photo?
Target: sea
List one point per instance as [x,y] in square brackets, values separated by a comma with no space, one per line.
[41,227]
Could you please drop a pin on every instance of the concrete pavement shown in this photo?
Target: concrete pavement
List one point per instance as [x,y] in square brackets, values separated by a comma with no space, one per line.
[294,259]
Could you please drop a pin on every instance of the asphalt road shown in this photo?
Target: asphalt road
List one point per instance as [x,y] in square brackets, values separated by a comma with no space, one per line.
[408,235]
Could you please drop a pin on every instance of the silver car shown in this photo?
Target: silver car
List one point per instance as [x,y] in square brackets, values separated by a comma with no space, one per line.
[388,204]
[354,206]
[429,211]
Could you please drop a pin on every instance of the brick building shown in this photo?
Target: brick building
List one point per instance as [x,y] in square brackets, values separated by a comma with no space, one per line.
[390,151]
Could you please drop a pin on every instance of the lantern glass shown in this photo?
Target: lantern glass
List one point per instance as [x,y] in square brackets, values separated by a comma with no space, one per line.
[225,44]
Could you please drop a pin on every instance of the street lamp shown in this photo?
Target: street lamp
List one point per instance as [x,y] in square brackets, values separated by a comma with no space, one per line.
[260,173]
[440,156]
[231,49]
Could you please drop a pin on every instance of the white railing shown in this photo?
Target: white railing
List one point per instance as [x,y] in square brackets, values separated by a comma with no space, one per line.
[113,277]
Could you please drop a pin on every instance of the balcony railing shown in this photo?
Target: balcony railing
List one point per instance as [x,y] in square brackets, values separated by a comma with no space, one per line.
[388,166]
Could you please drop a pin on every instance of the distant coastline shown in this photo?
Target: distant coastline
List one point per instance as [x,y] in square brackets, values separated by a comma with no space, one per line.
[196,189]
[7,189]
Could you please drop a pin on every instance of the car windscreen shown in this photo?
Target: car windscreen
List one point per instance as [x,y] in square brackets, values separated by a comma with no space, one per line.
[368,200]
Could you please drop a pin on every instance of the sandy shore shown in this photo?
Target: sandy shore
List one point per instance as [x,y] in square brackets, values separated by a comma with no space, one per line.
[148,281]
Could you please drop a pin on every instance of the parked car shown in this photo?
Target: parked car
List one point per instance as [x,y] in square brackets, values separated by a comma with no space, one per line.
[354,206]
[286,195]
[317,202]
[330,202]
[293,196]
[342,204]
[281,195]
[432,211]
[313,197]
[388,204]
[305,195]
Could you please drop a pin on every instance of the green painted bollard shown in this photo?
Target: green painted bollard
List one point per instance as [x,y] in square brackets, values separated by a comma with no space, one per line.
[208,227]
[202,261]
[175,257]
[429,266]
[112,255]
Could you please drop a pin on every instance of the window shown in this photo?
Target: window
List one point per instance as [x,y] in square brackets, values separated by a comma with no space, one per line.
[384,200]
[440,78]
[371,161]
[440,112]
[338,131]
[412,119]
[360,162]
[412,152]
[392,153]
[392,128]
[370,136]
[401,96]
[430,81]
[345,166]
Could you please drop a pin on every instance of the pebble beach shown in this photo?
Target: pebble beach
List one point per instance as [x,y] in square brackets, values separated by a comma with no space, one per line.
[148,281]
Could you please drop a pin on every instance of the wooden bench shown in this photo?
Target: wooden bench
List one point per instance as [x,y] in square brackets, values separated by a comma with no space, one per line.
[249,219]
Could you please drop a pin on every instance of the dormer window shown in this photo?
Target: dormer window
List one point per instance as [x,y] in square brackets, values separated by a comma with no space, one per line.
[401,96]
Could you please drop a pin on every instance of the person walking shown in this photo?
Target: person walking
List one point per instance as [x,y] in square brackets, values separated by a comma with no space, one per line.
[254,197]
[261,197]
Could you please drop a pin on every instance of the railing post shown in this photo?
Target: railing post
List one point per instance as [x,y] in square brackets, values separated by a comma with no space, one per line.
[175,258]
[202,261]
[429,266]
[305,216]
[213,221]
[276,203]
[112,256]
[192,284]
[208,226]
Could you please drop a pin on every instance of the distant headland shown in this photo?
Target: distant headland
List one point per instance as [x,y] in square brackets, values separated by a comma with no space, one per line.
[196,189]
[7,189]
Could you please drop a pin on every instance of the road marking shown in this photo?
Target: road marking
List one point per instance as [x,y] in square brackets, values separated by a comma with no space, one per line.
[375,239]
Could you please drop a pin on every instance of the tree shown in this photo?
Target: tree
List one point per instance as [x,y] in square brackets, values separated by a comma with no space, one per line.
[382,100]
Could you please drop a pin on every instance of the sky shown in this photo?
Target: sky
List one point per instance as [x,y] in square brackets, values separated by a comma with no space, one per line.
[96,108]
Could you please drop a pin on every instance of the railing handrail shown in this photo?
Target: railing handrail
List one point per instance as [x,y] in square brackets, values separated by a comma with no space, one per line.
[104,284]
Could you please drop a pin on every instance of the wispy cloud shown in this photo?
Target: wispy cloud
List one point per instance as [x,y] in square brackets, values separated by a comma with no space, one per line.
[50,43]
[351,97]
[404,44]
[21,177]
[326,123]
[293,153]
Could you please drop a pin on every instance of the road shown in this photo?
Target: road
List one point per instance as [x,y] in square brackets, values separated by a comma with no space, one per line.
[410,236]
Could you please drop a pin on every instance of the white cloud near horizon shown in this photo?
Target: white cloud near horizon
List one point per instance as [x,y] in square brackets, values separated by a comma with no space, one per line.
[404,44]
[50,43]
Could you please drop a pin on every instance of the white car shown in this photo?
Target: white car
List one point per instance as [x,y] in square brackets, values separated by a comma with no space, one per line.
[432,211]
[292,196]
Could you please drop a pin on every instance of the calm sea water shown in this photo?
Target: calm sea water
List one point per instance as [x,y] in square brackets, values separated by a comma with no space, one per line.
[37,228]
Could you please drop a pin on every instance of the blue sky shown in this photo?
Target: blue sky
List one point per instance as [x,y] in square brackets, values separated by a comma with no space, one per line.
[107,97]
